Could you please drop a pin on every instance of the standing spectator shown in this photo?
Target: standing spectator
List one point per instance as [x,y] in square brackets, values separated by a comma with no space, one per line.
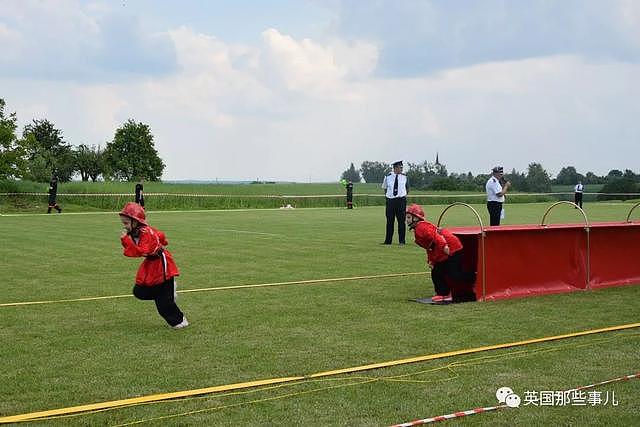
[578,194]
[396,187]
[350,195]
[53,193]
[496,189]
[140,193]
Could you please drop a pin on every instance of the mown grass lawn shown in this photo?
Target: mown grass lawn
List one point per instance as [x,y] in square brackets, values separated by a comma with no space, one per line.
[64,354]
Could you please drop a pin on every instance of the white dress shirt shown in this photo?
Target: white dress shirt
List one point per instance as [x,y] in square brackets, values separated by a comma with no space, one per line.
[388,182]
[493,187]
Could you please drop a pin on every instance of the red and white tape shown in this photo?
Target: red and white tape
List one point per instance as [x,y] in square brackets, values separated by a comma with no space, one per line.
[626,377]
[493,408]
[450,416]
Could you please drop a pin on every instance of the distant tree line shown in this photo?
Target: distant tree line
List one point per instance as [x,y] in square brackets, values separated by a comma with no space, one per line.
[41,150]
[434,176]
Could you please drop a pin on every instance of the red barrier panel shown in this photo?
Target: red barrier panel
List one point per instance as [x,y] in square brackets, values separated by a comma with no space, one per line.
[615,254]
[529,260]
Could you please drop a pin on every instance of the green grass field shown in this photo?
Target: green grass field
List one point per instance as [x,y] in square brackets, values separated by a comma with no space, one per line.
[61,354]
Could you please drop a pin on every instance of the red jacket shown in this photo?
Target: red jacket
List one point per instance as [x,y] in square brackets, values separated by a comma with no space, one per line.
[434,240]
[158,265]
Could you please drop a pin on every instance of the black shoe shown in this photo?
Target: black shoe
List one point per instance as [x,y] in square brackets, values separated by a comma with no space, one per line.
[385,243]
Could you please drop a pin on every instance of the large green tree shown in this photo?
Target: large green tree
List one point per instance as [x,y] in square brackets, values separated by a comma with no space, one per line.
[422,175]
[538,179]
[89,162]
[619,188]
[518,180]
[46,152]
[351,174]
[568,176]
[592,178]
[614,174]
[416,175]
[10,152]
[374,171]
[132,154]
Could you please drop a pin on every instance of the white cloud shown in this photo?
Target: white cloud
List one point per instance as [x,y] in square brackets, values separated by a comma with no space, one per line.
[314,69]
[72,40]
[102,107]
[425,36]
[293,108]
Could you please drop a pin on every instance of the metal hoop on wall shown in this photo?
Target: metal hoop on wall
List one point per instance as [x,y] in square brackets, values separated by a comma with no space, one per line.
[629,215]
[482,236]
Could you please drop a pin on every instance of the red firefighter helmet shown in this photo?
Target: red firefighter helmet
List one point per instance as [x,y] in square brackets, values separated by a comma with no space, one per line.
[416,210]
[134,211]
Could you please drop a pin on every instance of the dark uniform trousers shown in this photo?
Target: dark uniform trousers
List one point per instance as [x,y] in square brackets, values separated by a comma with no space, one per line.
[578,198]
[495,209]
[451,269]
[163,296]
[396,209]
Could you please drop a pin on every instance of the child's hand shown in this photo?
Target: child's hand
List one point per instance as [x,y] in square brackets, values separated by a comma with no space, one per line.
[123,233]
[446,249]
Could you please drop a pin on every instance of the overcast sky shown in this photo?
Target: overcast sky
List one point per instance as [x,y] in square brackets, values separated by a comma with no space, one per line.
[296,90]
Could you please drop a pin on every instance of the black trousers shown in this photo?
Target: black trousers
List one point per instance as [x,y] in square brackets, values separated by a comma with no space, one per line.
[396,210]
[164,299]
[495,209]
[53,203]
[450,269]
[349,199]
[578,199]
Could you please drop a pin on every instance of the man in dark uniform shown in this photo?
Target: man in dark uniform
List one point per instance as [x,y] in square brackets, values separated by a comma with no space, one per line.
[53,193]
[396,187]
[350,195]
[140,193]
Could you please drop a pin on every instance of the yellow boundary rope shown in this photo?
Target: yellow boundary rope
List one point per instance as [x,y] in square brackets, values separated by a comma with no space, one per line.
[244,385]
[223,288]
[353,381]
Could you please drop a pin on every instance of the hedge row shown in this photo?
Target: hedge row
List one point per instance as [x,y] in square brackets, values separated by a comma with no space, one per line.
[107,202]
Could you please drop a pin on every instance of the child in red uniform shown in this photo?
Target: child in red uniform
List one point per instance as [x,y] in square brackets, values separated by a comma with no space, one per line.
[155,277]
[444,252]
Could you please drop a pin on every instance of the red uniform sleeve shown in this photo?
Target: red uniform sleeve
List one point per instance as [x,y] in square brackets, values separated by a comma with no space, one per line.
[453,241]
[162,238]
[148,244]
[436,253]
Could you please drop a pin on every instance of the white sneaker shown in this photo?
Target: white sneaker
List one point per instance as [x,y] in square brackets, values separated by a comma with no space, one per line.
[182,324]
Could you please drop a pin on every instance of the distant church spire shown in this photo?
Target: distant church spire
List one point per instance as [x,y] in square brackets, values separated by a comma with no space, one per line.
[437,161]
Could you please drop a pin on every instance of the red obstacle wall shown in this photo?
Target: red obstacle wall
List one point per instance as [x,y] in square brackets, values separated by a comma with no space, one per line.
[615,254]
[536,260]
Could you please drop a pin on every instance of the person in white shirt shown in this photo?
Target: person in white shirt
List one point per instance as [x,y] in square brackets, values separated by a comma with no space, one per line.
[396,187]
[496,189]
[579,188]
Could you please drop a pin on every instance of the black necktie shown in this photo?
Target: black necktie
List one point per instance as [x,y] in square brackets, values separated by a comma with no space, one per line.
[395,186]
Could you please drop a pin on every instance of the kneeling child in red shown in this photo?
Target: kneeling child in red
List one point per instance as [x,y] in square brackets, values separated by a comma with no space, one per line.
[444,256]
